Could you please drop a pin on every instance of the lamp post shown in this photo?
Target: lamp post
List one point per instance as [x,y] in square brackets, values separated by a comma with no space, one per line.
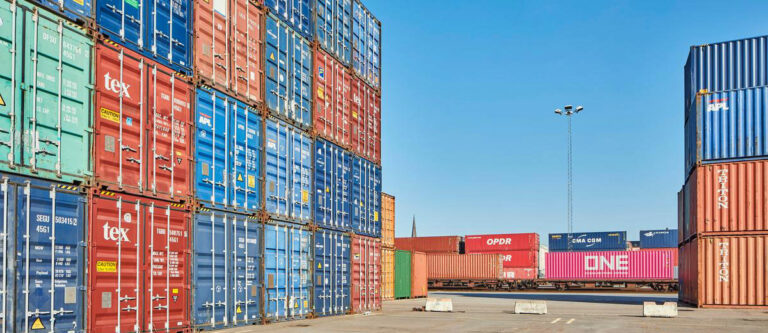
[569,111]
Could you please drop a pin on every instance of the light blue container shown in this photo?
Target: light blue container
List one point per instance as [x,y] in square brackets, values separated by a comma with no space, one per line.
[333,28]
[288,172]
[333,173]
[332,269]
[366,45]
[297,13]
[288,66]
[366,198]
[287,274]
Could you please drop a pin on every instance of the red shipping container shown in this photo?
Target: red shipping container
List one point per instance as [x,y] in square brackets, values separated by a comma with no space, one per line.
[520,273]
[418,274]
[501,242]
[212,49]
[366,121]
[435,244]
[610,266]
[725,271]
[366,274]
[449,266]
[138,266]
[332,107]
[141,146]
[246,75]
[519,259]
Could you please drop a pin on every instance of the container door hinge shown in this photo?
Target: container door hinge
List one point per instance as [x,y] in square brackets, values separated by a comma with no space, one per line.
[82,244]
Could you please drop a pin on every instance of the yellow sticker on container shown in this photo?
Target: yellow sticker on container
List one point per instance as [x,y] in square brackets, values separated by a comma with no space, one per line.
[319,265]
[271,56]
[79,2]
[320,92]
[251,181]
[239,177]
[305,304]
[375,216]
[327,190]
[110,115]
[2,101]
[304,196]
[175,290]
[38,325]
[239,310]
[106,266]
[354,115]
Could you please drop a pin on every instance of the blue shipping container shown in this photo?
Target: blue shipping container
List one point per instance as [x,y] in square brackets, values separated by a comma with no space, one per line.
[287,274]
[366,198]
[589,241]
[333,19]
[656,239]
[226,280]
[159,29]
[79,11]
[333,171]
[228,144]
[289,172]
[289,73]
[297,13]
[727,126]
[331,288]
[44,261]
[366,45]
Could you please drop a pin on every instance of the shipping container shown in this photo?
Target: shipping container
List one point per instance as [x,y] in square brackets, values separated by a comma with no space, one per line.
[732,65]
[138,264]
[652,239]
[287,272]
[141,126]
[43,262]
[451,266]
[333,172]
[331,95]
[288,172]
[672,250]
[247,32]
[297,13]
[543,250]
[288,66]
[725,271]
[333,30]
[366,198]
[366,274]
[419,279]
[79,11]
[610,266]
[366,44]
[332,264]
[228,146]
[726,197]
[159,29]
[387,273]
[518,259]
[387,220]
[47,89]
[226,279]
[402,274]
[433,244]
[501,242]
[589,241]
[365,120]
[212,25]
[529,273]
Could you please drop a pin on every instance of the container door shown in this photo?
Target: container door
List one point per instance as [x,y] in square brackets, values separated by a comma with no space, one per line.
[362,212]
[276,66]
[333,29]
[211,307]
[167,36]
[122,21]
[246,259]
[331,273]
[10,84]
[324,94]
[246,73]
[7,199]
[323,184]
[357,116]
[275,272]
[277,168]
[246,157]
[301,16]
[342,87]
[299,274]
[374,128]
[374,203]
[76,10]
[211,155]
[212,42]
[300,176]
[300,87]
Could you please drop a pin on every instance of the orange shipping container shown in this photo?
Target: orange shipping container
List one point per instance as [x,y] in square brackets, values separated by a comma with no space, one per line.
[437,244]
[418,274]
[387,220]
[387,274]
[725,271]
[448,266]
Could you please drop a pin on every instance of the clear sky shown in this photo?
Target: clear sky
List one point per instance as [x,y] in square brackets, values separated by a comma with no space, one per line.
[470,140]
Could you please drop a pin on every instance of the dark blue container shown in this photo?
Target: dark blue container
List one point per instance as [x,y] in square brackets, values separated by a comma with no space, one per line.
[159,29]
[366,45]
[297,13]
[34,248]
[331,287]
[79,11]
[288,172]
[287,274]
[333,173]
[366,198]
[589,241]
[655,239]
[333,28]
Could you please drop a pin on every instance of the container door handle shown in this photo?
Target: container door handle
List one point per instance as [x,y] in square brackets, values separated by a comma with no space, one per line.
[128,148]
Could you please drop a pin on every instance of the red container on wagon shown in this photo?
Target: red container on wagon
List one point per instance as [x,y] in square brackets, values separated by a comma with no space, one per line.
[725,271]
[138,264]
[527,273]
[518,259]
[366,121]
[450,266]
[141,146]
[332,83]
[611,266]
[434,244]
[366,274]
[418,274]
[501,242]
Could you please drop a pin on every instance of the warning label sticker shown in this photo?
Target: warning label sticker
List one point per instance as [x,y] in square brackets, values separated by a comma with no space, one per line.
[110,115]
[304,196]
[106,266]
[2,101]
[251,181]
[38,324]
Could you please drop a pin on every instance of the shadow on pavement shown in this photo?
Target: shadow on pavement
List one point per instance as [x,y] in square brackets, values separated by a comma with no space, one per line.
[565,297]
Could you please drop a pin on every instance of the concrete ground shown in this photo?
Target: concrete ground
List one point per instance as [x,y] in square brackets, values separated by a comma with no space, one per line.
[568,312]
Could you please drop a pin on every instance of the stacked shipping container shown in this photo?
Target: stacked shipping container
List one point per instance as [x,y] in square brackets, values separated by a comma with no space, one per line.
[520,252]
[388,246]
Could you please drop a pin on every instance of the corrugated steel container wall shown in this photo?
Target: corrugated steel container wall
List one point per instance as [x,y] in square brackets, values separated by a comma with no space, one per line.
[228,144]
[726,126]
[527,259]
[287,272]
[651,239]
[34,247]
[726,197]
[589,241]
[333,30]
[141,126]
[366,44]
[419,274]
[402,274]
[732,65]
[331,95]
[671,250]
[366,198]
[451,266]
[366,121]
[529,273]
[387,220]
[725,271]
[332,265]
[387,273]
[434,244]
[297,13]
[212,26]
[681,215]
[159,29]
[611,265]
[288,172]
[47,91]
[288,67]
[366,274]
[79,11]
[333,172]
[139,264]
[501,242]
[246,74]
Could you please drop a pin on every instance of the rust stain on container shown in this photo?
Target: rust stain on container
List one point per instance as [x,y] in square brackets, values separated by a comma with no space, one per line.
[387,276]
[387,220]
[418,274]
[449,266]
[436,244]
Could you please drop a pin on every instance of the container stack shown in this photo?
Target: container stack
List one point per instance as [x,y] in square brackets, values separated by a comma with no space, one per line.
[520,252]
[387,246]
[723,236]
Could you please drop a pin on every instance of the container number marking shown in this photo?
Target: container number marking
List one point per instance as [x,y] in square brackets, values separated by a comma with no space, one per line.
[106,266]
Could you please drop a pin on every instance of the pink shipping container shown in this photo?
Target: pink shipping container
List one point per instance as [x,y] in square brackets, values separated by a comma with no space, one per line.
[610,266]
[446,266]
[501,242]
[435,244]
[366,274]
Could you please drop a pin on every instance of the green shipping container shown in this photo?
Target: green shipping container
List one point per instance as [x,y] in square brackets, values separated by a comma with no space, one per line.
[402,274]
[45,94]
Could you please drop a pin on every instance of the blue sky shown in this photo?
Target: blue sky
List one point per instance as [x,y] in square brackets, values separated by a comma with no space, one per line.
[470,140]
